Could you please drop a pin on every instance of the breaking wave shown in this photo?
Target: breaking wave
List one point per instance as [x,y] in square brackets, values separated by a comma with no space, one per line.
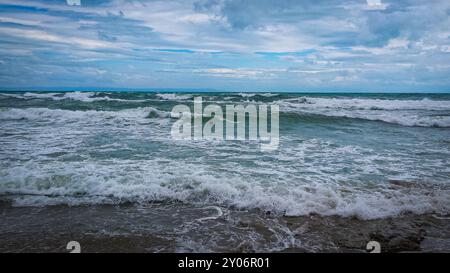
[76,96]
[423,113]
[54,115]
[149,181]
[173,96]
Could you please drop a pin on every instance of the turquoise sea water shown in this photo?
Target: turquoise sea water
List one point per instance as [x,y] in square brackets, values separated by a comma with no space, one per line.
[365,155]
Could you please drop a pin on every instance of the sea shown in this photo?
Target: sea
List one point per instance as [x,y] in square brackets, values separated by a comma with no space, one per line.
[102,168]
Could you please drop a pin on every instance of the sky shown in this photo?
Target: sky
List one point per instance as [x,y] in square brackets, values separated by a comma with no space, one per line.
[229,45]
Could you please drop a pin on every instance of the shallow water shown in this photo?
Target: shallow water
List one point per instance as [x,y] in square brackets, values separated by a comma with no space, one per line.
[176,227]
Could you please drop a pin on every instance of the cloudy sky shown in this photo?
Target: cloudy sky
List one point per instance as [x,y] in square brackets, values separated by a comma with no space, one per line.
[236,45]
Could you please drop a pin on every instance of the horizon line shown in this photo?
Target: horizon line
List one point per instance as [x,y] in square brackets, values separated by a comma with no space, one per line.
[200,90]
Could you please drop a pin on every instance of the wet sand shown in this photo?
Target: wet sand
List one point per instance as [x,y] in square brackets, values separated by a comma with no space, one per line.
[179,227]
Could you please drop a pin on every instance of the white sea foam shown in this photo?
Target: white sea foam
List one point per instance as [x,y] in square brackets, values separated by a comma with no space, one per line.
[280,188]
[53,96]
[249,95]
[75,95]
[173,96]
[93,183]
[11,95]
[368,104]
[80,96]
[403,112]
[55,115]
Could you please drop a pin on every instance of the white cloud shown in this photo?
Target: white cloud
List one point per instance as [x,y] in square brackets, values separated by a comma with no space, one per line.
[398,43]
[376,5]
[240,72]
[19,21]
[54,38]
[341,41]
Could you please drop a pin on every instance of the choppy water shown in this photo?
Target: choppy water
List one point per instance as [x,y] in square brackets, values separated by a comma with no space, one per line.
[365,155]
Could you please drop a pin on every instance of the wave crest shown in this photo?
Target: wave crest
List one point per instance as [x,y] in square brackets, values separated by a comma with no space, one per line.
[422,113]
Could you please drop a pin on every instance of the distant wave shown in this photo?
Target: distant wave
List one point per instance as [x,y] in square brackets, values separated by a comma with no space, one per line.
[173,96]
[403,119]
[365,104]
[92,96]
[249,95]
[76,96]
[422,113]
[70,115]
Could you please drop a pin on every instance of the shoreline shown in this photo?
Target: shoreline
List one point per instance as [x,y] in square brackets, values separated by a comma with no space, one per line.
[185,228]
